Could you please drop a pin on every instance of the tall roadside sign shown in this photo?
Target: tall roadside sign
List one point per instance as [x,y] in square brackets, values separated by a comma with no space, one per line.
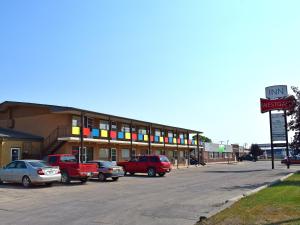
[277,98]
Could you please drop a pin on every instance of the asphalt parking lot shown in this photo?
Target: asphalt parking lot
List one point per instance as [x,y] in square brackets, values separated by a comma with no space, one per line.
[179,198]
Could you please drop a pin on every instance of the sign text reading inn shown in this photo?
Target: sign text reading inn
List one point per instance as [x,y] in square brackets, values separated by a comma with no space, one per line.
[278,91]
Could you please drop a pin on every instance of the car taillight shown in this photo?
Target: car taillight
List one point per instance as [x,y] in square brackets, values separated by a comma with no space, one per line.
[40,172]
[58,172]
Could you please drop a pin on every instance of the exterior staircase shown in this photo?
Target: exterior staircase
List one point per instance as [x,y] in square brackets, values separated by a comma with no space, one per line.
[51,143]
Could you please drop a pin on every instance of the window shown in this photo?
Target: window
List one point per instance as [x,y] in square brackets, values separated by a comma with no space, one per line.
[68,159]
[175,154]
[157,132]
[181,136]
[103,153]
[164,159]
[125,154]
[52,159]
[15,154]
[104,125]
[143,159]
[133,153]
[170,134]
[133,128]
[11,165]
[181,154]
[21,165]
[125,128]
[142,131]
[113,153]
[76,121]
[113,125]
[154,159]
[37,164]
[88,122]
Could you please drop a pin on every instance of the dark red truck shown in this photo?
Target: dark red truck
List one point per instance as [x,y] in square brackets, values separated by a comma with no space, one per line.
[150,164]
[71,169]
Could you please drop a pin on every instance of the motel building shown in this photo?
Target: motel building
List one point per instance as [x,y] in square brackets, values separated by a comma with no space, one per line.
[57,129]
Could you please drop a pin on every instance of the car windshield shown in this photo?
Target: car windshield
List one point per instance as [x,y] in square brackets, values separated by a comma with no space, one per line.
[68,158]
[164,159]
[106,164]
[38,164]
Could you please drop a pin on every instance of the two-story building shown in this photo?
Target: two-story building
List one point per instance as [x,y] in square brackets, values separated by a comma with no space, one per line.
[102,136]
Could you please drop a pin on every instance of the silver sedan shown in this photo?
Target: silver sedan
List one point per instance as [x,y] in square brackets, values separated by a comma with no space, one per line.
[30,172]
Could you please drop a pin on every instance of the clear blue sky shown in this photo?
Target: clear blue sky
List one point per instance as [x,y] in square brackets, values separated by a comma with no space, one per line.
[195,64]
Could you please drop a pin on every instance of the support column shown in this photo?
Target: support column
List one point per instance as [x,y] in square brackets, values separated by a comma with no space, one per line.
[164,140]
[189,152]
[198,148]
[177,148]
[287,141]
[149,138]
[131,149]
[81,137]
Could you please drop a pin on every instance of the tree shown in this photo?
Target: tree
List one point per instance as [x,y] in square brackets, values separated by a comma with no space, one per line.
[202,138]
[255,151]
[294,123]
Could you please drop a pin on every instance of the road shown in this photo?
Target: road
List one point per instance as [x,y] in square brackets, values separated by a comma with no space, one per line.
[179,198]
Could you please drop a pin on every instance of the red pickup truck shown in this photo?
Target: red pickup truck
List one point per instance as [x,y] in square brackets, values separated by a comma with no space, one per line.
[150,164]
[71,169]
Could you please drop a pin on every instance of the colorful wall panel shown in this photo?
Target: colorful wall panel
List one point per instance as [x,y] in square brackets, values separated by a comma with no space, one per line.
[156,138]
[140,137]
[120,135]
[86,131]
[113,135]
[134,136]
[166,140]
[104,133]
[76,130]
[127,136]
[152,138]
[146,137]
[161,139]
[95,132]
[170,140]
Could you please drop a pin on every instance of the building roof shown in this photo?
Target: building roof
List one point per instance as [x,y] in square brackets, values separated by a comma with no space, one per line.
[62,109]
[13,134]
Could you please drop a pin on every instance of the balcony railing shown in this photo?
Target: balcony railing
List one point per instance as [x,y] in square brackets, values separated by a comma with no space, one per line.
[126,136]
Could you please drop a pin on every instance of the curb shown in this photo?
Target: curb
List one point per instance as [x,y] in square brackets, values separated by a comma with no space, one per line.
[233,200]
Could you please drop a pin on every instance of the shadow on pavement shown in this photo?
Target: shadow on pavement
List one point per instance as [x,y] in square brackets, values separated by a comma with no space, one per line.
[293,221]
[236,171]
[246,186]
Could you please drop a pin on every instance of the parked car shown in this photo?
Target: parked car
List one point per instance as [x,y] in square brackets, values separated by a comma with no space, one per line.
[150,164]
[292,160]
[30,172]
[71,169]
[107,169]
[245,157]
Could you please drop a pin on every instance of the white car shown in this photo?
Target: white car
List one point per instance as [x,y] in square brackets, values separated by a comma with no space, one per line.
[30,172]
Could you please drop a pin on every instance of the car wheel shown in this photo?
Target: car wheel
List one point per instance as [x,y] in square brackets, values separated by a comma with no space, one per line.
[115,178]
[101,177]
[161,174]
[26,182]
[83,181]
[151,172]
[65,178]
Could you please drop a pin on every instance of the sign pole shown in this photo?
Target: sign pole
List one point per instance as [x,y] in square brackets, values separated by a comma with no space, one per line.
[272,147]
[287,141]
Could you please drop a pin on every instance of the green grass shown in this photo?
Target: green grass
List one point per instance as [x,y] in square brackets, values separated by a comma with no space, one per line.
[276,205]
